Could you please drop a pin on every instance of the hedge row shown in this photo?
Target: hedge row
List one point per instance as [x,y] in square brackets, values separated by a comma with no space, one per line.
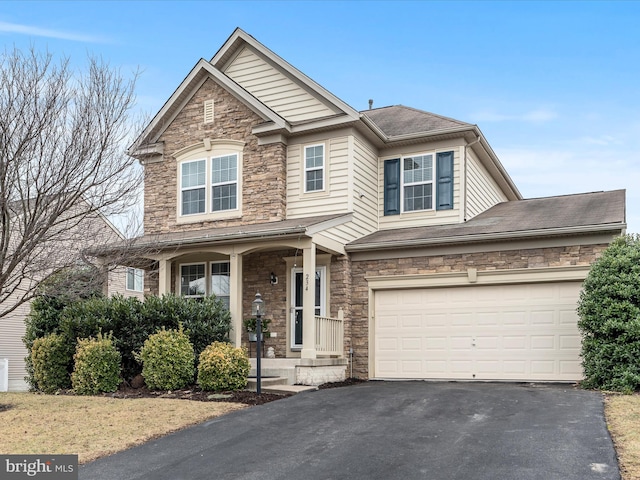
[128,320]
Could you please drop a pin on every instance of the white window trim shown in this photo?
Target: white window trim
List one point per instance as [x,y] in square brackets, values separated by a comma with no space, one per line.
[305,169]
[179,279]
[137,272]
[207,150]
[432,182]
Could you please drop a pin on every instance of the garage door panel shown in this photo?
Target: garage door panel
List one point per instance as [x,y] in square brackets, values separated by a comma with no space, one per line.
[510,332]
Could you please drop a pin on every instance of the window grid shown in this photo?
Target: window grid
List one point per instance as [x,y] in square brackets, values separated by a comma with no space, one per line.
[192,280]
[314,168]
[224,178]
[418,183]
[220,285]
[193,181]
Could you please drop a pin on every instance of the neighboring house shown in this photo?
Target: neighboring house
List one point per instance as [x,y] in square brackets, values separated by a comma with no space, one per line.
[12,326]
[391,238]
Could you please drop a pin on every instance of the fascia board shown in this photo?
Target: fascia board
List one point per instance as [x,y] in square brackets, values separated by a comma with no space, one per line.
[489,237]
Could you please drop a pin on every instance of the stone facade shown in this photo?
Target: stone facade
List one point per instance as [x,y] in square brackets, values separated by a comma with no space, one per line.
[263,173]
[498,260]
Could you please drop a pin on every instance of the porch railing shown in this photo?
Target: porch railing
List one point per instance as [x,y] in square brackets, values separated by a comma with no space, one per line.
[330,335]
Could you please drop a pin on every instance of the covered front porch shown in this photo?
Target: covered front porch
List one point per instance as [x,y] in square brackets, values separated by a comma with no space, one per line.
[300,273]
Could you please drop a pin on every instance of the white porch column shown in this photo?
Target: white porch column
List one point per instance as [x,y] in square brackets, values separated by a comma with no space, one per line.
[235,297]
[309,302]
[164,276]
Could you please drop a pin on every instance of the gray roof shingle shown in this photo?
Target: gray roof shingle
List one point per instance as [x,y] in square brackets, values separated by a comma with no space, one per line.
[400,120]
[544,216]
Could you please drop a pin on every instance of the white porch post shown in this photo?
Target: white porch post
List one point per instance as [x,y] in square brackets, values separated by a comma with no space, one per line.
[164,276]
[309,302]
[235,297]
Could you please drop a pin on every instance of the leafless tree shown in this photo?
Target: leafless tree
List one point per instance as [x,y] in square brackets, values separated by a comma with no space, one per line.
[63,166]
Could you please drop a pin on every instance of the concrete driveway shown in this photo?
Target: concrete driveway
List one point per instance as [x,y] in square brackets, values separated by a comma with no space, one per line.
[389,430]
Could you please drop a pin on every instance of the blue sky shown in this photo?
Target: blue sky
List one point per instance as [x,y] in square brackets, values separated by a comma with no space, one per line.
[554,86]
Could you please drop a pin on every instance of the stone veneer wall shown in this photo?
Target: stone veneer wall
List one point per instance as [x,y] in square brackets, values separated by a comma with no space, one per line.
[500,260]
[264,167]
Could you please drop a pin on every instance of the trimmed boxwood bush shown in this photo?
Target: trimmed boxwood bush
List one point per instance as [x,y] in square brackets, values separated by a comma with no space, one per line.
[167,360]
[96,366]
[223,367]
[609,310]
[50,356]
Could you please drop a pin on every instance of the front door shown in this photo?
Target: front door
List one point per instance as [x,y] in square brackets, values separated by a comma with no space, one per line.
[296,296]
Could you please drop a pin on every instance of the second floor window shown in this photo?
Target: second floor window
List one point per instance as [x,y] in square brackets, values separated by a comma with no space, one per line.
[220,173]
[418,182]
[314,168]
[224,180]
[193,187]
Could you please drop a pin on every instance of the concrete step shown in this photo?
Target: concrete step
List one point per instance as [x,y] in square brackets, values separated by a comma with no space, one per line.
[288,389]
[284,372]
[266,382]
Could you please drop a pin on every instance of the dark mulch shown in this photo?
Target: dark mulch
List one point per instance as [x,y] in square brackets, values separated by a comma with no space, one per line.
[196,394]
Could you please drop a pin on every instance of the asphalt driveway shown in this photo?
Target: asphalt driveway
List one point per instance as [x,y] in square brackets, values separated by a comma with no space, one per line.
[389,430]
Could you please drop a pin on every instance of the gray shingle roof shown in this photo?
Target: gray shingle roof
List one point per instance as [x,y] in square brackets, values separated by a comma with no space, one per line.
[536,216]
[400,120]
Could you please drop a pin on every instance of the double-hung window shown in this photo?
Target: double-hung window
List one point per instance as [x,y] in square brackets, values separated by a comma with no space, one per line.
[418,182]
[314,168]
[134,279]
[417,176]
[224,182]
[193,280]
[193,184]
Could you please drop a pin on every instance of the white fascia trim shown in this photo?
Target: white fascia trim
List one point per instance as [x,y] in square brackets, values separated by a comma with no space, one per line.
[334,222]
[488,237]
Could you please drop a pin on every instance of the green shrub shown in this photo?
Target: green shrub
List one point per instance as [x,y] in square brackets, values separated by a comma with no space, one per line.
[96,366]
[50,356]
[223,367]
[167,360]
[609,310]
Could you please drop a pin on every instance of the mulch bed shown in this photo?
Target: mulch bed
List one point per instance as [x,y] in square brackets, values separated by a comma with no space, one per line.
[196,394]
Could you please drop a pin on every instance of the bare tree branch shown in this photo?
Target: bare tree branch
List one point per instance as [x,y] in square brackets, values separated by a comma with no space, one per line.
[63,166]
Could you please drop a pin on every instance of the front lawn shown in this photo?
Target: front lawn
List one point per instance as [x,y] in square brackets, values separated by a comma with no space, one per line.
[623,420]
[93,427]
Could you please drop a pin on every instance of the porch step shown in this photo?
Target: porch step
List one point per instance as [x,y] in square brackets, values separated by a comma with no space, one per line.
[288,389]
[266,382]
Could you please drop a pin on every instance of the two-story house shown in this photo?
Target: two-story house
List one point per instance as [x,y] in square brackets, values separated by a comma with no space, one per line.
[390,241]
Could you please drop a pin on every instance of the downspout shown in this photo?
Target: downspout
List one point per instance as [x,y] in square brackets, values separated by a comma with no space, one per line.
[465,175]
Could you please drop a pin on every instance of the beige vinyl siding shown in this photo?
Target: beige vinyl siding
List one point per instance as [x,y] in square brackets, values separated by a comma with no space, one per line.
[482,191]
[334,197]
[11,346]
[274,89]
[427,217]
[365,207]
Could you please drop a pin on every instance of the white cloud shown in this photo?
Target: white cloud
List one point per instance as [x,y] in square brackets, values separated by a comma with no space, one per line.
[45,32]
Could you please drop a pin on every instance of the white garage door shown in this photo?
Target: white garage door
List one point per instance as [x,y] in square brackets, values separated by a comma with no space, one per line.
[507,332]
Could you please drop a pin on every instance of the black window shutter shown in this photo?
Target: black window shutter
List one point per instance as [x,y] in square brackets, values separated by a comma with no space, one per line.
[444,189]
[392,187]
